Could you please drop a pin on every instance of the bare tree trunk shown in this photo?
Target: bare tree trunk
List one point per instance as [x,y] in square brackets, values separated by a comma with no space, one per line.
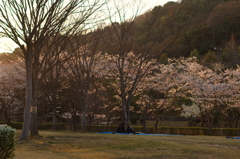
[26,118]
[74,121]
[83,120]
[124,102]
[156,126]
[144,116]
[128,110]
[55,121]
[210,123]
[236,123]
[54,99]
[124,106]
[84,113]
[34,121]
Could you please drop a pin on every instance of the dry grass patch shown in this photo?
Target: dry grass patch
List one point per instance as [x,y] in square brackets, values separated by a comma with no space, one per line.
[75,145]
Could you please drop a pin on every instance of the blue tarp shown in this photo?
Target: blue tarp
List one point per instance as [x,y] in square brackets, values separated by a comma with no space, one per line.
[233,137]
[159,134]
[138,134]
[106,132]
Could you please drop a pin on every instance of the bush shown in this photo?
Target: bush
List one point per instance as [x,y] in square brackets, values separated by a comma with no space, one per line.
[163,59]
[226,54]
[193,122]
[195,53]
[61,126]
[137,128]
[134,119]
[210,56]
[7,135]
[43,126]
[15,125]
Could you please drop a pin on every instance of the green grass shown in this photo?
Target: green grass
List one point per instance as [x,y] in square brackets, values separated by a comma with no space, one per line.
[75,145]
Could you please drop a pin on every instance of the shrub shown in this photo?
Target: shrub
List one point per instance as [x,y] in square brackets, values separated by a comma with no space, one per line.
[7,135]
[193,122]
[43,126]
[16,125]
[137,128]
[134,119]
[226,54]
[61,126]
[163,59]
[195,53]
[210,56]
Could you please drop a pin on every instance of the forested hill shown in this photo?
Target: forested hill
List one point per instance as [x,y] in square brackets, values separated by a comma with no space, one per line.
[177,29]
[203,25]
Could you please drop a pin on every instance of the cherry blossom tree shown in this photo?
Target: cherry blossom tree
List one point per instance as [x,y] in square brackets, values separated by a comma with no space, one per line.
[232,97]
[163,90]
[202,85]
[130,62]
[125,75]
[11,82]
[214,90]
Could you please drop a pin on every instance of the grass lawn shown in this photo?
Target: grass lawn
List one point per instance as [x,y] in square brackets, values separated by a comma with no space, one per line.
[75,145]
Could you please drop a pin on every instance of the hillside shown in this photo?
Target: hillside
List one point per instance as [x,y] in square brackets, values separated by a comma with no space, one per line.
[177,29]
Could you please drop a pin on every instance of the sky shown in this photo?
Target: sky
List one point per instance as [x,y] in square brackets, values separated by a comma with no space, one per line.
[6,45]
[152,3]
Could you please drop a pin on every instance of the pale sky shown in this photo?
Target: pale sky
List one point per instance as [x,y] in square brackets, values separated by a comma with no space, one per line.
[6,45]
[152,3]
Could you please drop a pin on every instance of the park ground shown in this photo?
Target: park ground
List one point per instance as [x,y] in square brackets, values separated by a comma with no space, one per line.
[76,145]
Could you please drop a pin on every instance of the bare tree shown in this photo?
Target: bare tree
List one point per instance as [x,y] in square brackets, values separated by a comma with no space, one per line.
[126,65]
[81,70]
[121,33]
[33,24]
[51,88]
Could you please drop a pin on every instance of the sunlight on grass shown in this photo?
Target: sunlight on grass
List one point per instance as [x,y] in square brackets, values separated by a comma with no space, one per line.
[75,145]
